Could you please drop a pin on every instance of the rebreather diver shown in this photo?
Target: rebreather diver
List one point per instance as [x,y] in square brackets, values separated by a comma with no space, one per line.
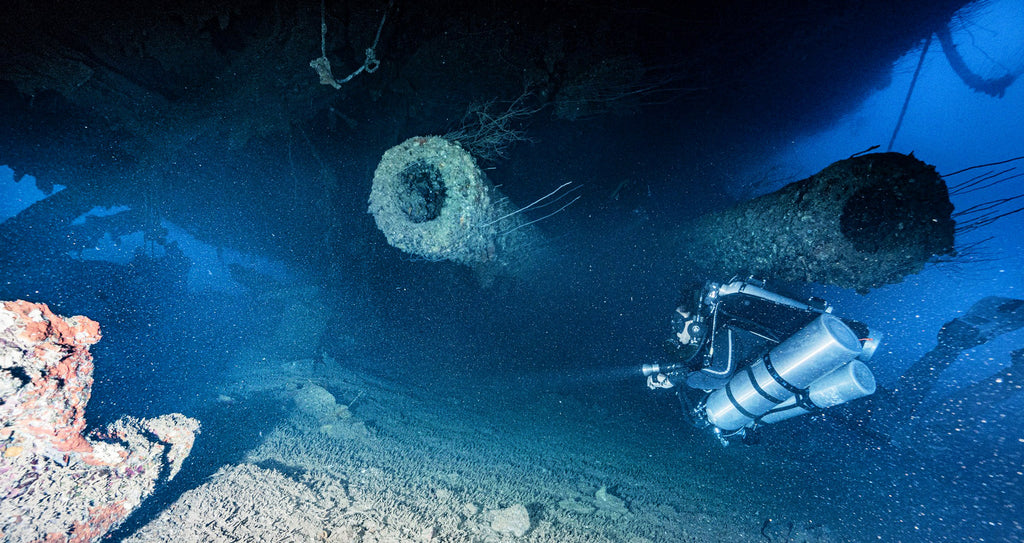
[747,356]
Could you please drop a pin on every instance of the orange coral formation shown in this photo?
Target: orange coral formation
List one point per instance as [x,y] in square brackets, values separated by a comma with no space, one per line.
[61,373]
[48,368]
[41,324]
[101,519]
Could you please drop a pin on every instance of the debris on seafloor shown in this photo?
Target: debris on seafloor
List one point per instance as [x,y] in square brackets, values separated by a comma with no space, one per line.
[46,377]
[514,520]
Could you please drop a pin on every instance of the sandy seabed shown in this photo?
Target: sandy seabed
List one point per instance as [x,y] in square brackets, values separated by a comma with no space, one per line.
[360,458]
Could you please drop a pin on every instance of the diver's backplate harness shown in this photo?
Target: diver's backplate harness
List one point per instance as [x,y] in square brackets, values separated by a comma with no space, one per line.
[760,357]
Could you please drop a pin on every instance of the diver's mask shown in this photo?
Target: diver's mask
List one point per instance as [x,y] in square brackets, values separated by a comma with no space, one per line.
[688,332]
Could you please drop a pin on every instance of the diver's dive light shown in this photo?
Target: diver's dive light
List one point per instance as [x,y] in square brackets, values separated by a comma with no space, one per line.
[653,369]
[785,372]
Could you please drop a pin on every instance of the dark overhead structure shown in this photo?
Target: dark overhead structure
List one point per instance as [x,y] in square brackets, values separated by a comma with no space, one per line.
[191,111]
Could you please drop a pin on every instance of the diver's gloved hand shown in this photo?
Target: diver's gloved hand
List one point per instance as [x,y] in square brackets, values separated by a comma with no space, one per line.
[659,381]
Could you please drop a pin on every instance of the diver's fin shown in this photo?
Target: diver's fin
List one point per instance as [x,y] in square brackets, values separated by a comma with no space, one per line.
[990,317]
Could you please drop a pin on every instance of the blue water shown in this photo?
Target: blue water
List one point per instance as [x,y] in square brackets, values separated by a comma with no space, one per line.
[242,279]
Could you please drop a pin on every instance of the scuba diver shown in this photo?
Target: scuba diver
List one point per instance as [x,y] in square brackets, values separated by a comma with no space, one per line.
[748,357]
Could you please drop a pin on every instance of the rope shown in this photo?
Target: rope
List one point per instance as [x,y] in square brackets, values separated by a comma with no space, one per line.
[323,66]
[910,91]
[323,30]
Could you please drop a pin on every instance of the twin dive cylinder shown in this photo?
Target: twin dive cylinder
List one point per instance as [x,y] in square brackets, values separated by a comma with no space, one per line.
[814,369]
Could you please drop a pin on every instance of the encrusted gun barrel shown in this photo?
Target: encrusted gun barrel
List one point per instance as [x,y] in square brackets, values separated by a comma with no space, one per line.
[431,200]
[860,223]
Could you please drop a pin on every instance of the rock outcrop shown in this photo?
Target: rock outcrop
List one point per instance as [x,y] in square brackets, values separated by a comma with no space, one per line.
[97,478]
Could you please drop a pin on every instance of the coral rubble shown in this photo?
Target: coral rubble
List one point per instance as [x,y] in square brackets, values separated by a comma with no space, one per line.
[99,478]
